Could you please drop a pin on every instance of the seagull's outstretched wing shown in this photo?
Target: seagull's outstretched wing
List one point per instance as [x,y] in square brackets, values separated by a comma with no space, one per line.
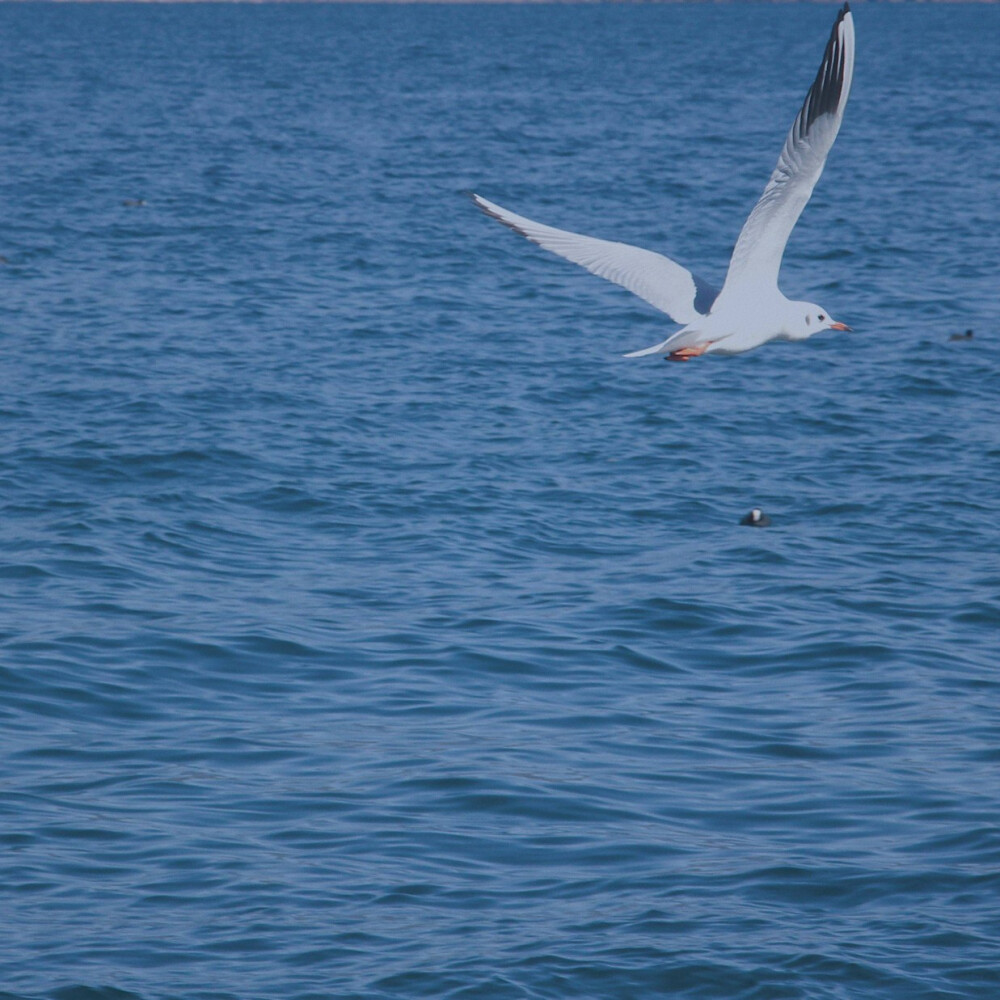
[657,279]
[757,256]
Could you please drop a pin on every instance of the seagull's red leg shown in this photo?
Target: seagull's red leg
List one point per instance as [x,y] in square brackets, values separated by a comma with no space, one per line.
[687,353]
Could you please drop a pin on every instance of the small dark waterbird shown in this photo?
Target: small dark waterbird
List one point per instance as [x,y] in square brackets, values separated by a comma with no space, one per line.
[756,519]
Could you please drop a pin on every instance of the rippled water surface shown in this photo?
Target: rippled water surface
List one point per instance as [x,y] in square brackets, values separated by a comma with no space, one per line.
[370,628]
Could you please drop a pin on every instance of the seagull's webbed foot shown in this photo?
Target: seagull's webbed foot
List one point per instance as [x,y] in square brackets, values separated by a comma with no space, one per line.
[687,353]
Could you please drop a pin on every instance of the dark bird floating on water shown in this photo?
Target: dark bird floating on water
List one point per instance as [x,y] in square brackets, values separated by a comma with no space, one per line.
[961,336]
[750,310]
[756,518]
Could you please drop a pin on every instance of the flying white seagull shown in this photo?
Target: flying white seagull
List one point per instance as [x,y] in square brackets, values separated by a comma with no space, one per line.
[750,310]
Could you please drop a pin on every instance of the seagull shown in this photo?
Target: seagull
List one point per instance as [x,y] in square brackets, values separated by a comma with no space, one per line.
[750,310]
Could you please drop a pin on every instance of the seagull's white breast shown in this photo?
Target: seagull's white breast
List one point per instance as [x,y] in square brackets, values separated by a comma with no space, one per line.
[742,325]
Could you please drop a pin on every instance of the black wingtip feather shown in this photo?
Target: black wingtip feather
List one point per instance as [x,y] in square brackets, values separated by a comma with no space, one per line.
[824,95]
[493,215]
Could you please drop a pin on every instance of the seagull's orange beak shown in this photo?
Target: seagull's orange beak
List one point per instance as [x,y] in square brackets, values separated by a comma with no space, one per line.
[841,326]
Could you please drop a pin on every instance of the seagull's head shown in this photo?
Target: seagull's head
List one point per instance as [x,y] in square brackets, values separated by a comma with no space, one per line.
[810,318]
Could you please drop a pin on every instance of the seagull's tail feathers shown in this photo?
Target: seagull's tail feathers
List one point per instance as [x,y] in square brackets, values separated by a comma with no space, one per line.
[655,349]
[682,338]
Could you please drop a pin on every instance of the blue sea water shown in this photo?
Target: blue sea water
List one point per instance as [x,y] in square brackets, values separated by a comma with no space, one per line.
[371,629]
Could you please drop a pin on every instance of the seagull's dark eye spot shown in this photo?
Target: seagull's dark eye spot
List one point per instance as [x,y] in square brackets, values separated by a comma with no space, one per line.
[809,320]
[821,317]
